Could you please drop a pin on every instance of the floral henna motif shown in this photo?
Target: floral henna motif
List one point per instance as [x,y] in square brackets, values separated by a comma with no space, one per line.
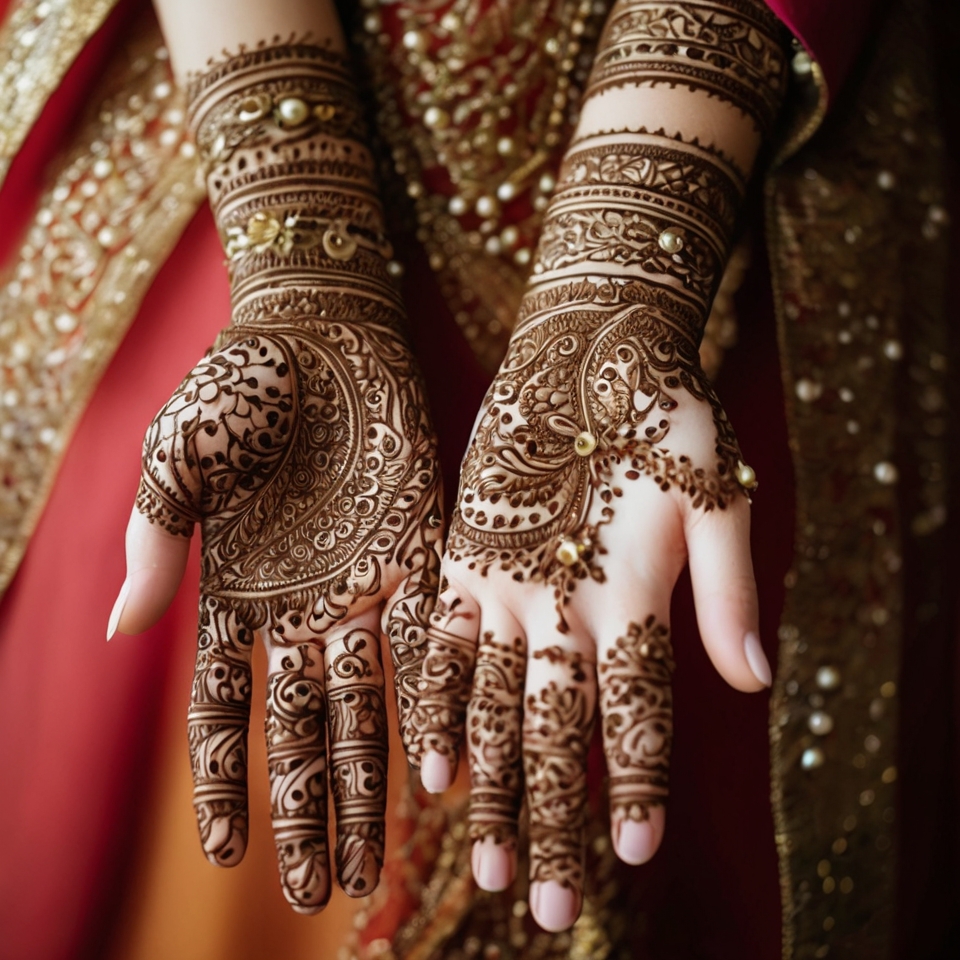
[636,706]
[494,721]
[586,388]
[358,759]
[443,686]
[217,732]
[557,726]
[297,761]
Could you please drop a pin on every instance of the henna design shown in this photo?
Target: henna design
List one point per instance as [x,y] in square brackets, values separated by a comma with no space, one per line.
[494,720]
[217,732]
[297,761]
[636,706]
[302,445]
[358,759]
[731,49]
[443,687]
[603,361]
[597,370]
[557,725]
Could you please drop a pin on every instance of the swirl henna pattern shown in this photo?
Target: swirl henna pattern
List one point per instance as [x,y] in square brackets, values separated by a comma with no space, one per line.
[302,446]
[557,726]
[358,758]
[494,721]
[636,705]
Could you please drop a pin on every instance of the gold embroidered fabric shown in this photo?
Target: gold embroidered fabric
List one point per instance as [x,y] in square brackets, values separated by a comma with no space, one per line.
[856,230]
[38,42]
[122,195]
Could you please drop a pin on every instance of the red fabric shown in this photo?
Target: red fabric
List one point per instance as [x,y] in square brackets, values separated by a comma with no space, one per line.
[832,32]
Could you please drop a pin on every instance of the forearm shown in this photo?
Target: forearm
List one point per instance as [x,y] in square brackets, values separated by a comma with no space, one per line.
[678,102]
[198,31]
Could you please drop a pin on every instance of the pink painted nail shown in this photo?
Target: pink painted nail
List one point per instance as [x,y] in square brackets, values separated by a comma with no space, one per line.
[553,906]
[494,865]
[635,841]
[117,612]
[435,772]
[756,659]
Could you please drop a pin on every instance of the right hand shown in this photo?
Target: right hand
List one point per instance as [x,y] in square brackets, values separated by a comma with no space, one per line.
[303,447]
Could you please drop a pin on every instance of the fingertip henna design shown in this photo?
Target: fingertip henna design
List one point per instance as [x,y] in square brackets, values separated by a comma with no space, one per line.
[557,726]
[636,707]
[358,759]
[494,722]
[217,731]
[297,761]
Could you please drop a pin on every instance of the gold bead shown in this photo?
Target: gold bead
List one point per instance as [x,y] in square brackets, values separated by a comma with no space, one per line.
[252,108]
[670,241]
[568,553]
[338,246]
[585,444]
[325,112]
[262,228]
[746,476]
[292,111]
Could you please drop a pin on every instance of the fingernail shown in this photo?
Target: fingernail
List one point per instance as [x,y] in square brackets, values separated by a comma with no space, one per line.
[757,659]
[635,841]
[494,865]
[435,772]
[117,610]
[553,906]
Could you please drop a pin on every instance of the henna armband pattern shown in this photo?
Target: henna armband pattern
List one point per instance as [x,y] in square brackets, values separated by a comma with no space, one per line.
[730,49]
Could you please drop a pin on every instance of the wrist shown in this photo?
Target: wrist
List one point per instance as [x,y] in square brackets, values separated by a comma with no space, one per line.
[291,182]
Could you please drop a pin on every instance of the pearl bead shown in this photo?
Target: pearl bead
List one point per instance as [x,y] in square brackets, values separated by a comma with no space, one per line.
[547,183]
[808,390]
[492,246]
[938,214]
[395,268]
[802,63]
[828,678]
[509,236]
[746,476]
[812,758]
[820,723]
[435,118]
[106,236]
[293,111]
[568,553]
[886,180]
[457,206]
[414,40]
[670,241]
[885,472]
[102,168]
[486,206]
[585,444]
[506,191]
[505,146]
[893,350]
[522,257]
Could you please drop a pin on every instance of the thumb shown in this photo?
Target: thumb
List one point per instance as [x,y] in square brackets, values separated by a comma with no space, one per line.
[156,561]
[725,594]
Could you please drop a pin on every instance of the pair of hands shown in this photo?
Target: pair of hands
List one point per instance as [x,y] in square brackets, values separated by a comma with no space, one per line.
[303,448]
